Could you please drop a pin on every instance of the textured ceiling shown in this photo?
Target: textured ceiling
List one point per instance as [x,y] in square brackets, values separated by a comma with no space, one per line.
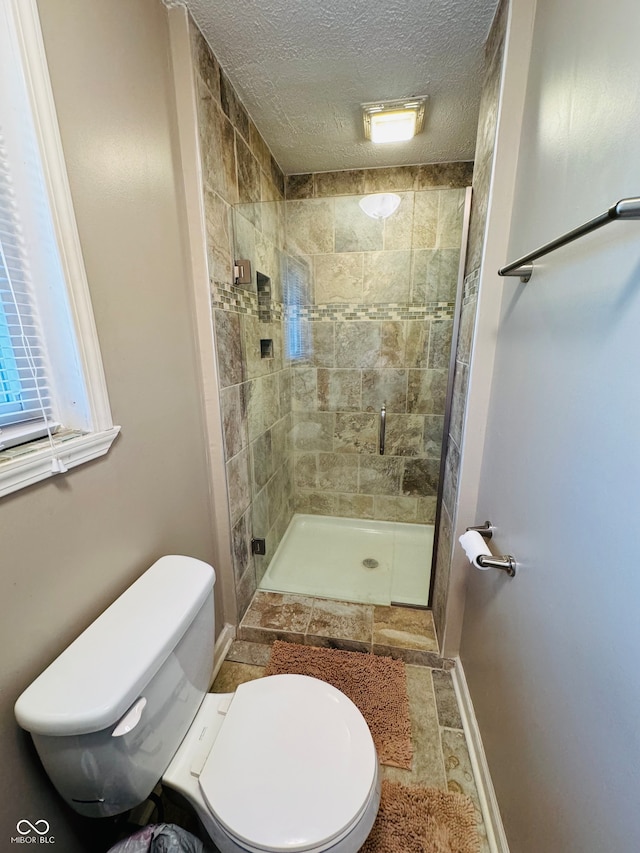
[303,67]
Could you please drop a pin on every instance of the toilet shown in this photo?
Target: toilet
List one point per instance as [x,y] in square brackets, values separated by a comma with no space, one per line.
[286,763]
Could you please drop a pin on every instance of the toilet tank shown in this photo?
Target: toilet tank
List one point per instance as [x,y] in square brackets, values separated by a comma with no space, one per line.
[108,714]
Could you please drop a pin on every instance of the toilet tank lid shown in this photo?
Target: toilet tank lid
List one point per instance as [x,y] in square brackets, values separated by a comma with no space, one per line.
[102,673]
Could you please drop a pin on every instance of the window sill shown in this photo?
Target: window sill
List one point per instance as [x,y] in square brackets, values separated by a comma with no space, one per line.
[24,466]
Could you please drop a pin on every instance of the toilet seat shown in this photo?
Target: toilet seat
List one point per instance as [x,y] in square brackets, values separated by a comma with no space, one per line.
[293,767]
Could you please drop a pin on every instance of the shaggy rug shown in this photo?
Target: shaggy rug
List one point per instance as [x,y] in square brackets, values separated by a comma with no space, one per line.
[422,820]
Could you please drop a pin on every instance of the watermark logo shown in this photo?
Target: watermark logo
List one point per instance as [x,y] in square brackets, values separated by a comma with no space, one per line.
[33,833]
[24,827]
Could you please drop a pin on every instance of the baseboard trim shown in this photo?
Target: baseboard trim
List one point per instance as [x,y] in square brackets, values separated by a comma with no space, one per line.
[488,801]
[226,636]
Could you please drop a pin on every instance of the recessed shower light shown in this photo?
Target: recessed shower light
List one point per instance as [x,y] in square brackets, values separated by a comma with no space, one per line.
[393,121]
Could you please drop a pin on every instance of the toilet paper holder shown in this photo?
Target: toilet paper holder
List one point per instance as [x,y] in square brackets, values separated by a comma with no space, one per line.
[505,563]
[485,530]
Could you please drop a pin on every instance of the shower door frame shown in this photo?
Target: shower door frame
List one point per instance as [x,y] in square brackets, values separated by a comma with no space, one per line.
[457,312]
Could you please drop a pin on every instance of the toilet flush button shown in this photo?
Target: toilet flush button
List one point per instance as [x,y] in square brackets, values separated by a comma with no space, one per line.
[130,719]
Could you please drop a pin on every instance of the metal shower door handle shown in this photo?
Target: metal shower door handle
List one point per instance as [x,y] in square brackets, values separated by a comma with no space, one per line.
[383,425]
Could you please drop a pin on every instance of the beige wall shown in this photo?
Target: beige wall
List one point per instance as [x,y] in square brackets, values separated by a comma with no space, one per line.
[71,545]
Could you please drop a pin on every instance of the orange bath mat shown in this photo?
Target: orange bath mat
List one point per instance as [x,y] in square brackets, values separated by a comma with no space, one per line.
[422,820]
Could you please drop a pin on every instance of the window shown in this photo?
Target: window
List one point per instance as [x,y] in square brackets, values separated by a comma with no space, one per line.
[296,289]
[25,397]
[54,408]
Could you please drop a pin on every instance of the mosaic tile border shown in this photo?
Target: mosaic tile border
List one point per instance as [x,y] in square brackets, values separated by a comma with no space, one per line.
[246,302]
[242,301]
[471,283]
[377,311]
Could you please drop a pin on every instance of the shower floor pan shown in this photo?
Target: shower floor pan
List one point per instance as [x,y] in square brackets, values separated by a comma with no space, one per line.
[370,562]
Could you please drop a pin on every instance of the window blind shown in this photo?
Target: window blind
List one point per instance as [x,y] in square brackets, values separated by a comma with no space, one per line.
[296,286]
[25,396]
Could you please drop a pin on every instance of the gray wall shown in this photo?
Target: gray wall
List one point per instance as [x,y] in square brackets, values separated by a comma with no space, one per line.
[552,656]
[71,545]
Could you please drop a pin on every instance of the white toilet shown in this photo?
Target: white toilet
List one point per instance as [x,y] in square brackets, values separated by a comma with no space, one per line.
[286,763]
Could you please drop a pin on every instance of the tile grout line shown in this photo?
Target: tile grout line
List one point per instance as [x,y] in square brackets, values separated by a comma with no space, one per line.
[435,704]
[305,633]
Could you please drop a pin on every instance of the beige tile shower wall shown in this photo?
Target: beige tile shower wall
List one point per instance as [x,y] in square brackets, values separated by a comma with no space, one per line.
[378,318]
[431,176]
[243,192]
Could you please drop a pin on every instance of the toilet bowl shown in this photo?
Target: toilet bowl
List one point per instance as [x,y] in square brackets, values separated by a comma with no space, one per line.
[286,763]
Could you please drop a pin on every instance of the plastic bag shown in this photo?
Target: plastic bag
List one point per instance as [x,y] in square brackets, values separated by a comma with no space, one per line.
[160,838]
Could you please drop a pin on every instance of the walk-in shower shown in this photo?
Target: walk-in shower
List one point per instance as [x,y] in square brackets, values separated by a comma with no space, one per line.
[347,324]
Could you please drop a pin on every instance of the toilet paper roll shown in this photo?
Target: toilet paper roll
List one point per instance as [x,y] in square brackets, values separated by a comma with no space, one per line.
[475,546]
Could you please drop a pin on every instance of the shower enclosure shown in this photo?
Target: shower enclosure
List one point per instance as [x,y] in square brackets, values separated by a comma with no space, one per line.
[346,329]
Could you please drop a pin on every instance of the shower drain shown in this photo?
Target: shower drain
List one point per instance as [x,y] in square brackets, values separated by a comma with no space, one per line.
[370,563]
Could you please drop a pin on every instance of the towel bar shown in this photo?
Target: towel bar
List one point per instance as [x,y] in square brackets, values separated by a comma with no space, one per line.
[626,208]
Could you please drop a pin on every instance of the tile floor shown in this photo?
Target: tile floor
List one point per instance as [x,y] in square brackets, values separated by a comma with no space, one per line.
[441,758]
[405,633]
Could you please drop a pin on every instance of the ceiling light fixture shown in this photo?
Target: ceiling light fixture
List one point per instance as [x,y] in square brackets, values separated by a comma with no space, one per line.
[380,205]
[393,121]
